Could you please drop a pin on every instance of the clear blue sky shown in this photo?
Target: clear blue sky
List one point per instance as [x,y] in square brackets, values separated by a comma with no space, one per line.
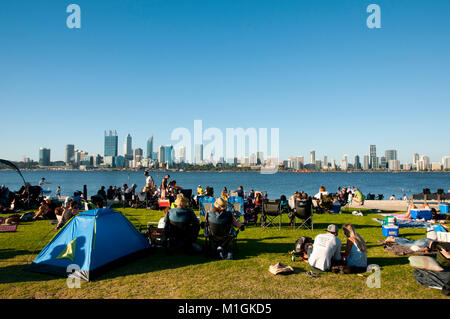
[311,68]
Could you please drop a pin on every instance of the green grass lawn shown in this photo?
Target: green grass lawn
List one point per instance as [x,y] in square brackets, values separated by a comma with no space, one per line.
[159,275]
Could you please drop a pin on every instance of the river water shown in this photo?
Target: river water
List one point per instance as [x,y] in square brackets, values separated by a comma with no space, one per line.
[385,183]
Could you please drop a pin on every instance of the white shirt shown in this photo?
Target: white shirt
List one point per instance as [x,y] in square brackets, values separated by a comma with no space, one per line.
[326,246]
[319,194]
[149,180]
[161,223]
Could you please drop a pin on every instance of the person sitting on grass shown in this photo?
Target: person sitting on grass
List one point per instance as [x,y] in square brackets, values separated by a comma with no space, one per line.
[42,211]
[71,211]
[182,225]
[355,255]
[221,215]
[326,251]
[358,198]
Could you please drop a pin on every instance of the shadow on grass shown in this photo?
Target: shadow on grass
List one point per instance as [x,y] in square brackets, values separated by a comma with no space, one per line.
[388,261]
[19,273]
[11,253]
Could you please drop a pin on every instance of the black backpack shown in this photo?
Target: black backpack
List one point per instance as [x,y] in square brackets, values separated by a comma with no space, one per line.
[300,245]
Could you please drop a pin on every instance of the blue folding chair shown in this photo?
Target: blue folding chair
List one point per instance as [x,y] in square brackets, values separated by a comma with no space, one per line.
[236,206]
[206,204]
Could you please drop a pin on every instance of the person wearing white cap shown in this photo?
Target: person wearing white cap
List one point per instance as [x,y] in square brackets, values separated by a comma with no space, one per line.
[326,250]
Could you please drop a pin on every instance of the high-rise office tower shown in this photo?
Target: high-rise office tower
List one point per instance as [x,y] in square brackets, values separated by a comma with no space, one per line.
[312,157]
[446,162]
[168,150]
[138,154]
[366,162]
[259,158]
[162,154]
[150,148]
[391,155]
[182,154]
[111,143]
[373,161]
[128,148]
[344,163]
[416,159]
[383,162]
[357,164]
[44,156]
[198,154]
[325,161]
[70,154]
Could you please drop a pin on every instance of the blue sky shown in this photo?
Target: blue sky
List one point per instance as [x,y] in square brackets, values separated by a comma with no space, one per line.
[311,68]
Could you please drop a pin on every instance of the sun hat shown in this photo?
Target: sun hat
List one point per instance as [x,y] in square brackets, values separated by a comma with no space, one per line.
[221,203]
[181,200]
[332,228]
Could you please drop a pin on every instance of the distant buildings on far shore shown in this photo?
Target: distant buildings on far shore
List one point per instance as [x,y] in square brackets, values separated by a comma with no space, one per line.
[166,157]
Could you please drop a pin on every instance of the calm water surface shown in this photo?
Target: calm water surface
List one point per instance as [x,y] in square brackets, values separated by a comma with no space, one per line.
[275,185]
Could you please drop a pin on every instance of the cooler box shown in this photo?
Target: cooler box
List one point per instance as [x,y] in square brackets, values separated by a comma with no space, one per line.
[390,221]
[421,214]
[390,231]
[444,208]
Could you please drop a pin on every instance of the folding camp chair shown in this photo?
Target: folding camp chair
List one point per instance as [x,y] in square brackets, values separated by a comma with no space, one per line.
[206,204]
[219,235]
[236,206]
[304,210]
[270,212]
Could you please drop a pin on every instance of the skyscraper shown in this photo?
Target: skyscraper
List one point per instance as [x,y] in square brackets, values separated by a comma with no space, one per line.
[111,143]
[198,153]
[182,158]
[416,159]
[162,155]
[259,158]
[70,154]
[128,148]
[44,156]
[168,150]
[344,163]
[138,154]
[446,162]
[391,155]
[150,148]
[383,162]
[357,164]
[312,157]
[366,162]
[373,157]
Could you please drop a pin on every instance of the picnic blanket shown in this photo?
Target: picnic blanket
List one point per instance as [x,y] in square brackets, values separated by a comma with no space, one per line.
[402,250]
[7,228]
[407,223]
[402,216]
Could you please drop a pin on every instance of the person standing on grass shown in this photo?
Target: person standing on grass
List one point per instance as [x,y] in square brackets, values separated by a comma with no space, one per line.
[326,250]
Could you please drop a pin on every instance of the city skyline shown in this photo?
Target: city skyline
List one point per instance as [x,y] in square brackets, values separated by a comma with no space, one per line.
[387,159]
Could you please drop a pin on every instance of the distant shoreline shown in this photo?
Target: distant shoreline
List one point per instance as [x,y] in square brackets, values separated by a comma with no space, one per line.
[212,171]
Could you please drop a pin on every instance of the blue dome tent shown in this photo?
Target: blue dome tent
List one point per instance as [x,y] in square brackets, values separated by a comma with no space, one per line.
[94,241]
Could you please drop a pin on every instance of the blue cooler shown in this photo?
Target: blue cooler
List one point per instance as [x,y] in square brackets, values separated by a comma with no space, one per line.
[444,208]
[421,213]
[390,230]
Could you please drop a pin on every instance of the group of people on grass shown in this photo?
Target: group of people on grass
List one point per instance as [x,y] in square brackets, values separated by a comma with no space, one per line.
[182,226]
